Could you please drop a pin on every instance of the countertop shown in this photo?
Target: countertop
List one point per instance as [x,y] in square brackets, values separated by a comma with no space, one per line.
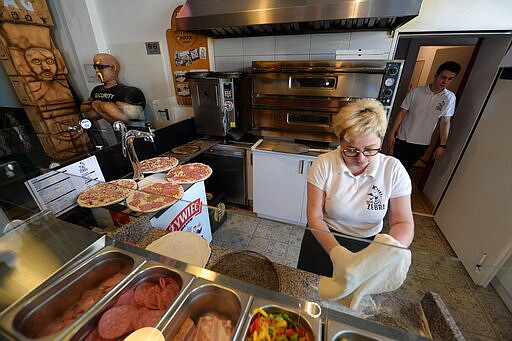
[387,310]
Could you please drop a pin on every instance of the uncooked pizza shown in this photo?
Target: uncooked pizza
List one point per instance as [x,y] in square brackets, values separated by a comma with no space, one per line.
[154,197]
[186,149]
[158,164]
[106,193]
[189,173]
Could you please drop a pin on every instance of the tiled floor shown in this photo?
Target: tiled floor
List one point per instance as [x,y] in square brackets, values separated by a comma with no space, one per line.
[479,312]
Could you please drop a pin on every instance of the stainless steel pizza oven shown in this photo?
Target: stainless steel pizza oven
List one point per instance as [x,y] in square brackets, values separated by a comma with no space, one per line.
[298,99]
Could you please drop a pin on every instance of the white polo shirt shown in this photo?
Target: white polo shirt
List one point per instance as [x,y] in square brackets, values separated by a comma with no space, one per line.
[356,205]
[425,108]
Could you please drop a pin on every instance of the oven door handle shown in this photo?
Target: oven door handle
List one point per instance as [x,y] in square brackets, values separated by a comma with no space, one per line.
[291,119]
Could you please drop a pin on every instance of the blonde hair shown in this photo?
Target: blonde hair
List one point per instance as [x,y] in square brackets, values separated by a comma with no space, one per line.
[360,118]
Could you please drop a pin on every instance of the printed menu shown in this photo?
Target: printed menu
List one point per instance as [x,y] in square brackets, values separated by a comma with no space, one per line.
[58,189]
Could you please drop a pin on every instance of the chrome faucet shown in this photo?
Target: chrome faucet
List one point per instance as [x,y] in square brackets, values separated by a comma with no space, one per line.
[127,137]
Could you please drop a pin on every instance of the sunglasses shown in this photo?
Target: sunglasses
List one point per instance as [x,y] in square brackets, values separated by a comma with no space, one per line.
[101,66]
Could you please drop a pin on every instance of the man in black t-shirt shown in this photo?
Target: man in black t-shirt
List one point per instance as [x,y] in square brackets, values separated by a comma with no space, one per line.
[113,101]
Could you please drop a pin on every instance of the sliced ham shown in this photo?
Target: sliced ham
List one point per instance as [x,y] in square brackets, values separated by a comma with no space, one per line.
[210,327]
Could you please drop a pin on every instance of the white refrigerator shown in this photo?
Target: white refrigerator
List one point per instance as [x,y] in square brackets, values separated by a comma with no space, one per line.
[475,214]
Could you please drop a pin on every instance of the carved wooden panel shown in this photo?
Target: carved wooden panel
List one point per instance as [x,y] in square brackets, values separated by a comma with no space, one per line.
[37,71]
[25,11]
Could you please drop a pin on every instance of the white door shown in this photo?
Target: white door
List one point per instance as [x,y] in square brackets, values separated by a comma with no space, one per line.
[475,214]
[279,186]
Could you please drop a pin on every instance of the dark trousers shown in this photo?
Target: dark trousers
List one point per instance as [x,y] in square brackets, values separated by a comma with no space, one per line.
[313,257]
[408,153]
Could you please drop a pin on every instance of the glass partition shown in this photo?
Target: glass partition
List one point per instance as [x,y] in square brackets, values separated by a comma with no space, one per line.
[435,292]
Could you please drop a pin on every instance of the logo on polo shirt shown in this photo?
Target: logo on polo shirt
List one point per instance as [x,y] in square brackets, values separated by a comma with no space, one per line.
[440,105]
[375,202]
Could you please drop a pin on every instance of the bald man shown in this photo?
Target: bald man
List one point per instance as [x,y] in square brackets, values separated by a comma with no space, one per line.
[113,101]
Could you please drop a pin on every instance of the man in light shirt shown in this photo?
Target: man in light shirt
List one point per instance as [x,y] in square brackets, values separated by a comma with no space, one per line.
[423,107]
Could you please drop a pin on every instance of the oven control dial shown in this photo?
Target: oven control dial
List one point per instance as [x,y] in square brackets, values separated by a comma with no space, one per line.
[389,82]
[393,70]
[388,92]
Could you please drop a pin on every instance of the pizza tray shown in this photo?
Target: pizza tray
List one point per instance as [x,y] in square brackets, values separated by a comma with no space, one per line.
[249,266]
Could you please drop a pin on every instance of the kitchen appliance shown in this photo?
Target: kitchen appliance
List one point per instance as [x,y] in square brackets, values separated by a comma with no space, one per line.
[229,172]
[228,18]
[298,99]
[220,101]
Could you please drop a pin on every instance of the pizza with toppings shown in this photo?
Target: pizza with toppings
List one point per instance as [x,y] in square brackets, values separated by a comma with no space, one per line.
[158,164]
[106,193]
[189,173]
[154,197]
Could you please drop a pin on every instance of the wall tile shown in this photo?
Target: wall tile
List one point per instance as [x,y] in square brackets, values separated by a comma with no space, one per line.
[322,56]
[248,60]
[233,63]
[294,44]
[329,42]
[228,47]
[375,40]
[259,45]
[292,57]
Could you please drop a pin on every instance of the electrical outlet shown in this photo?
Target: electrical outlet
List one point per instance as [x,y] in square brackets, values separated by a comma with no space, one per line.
[152,47]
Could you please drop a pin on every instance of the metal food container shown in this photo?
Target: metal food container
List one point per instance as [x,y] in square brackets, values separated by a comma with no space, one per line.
[339,331]
[205,297]
[306,313]
[150,271]
[29,317]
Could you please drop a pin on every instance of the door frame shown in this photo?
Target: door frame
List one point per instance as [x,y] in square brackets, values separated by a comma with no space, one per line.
[491,47]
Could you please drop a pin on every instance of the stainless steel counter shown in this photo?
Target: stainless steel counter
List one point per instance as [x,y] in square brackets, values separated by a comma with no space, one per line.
[256,297]
[34,251]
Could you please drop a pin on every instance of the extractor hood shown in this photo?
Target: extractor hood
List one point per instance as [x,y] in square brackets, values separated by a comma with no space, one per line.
[231,18]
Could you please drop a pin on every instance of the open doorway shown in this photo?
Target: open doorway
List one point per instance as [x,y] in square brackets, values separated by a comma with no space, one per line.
[423,52]
[428,60]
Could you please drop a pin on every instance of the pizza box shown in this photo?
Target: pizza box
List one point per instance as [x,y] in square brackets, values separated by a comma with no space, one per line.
[190,214]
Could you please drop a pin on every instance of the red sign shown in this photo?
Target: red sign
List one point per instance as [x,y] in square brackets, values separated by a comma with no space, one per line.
[187,213]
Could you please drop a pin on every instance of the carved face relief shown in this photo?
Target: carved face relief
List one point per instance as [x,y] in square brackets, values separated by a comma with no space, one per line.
[42,62]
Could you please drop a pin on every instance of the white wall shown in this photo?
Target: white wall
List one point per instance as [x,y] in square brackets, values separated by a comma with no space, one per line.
[461,15]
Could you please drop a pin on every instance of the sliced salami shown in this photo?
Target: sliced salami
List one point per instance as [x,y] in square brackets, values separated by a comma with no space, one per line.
[147,317]
[158,164]
[154,197]
[117,321]
[106,193]
[189,173]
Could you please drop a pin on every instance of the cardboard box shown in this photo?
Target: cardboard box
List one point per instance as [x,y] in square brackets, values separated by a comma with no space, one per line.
[189,214]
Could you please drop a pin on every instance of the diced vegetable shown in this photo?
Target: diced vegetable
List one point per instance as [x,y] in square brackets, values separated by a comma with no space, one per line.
[274,327]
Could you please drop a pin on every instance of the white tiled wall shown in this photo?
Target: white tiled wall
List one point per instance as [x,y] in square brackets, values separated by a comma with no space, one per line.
[237,54]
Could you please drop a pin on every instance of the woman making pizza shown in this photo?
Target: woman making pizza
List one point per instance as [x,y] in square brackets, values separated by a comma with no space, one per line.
[350,190]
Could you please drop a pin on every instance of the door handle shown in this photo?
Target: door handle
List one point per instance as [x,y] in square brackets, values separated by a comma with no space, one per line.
[301,167]
[480,264]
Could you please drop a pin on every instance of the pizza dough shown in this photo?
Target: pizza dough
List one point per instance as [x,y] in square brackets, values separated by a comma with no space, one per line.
[188,247]
[154,197]
[186,149]
[106,193]
[158,164]
[189,173]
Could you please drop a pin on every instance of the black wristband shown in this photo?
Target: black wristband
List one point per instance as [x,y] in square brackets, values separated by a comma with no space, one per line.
[443,146]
